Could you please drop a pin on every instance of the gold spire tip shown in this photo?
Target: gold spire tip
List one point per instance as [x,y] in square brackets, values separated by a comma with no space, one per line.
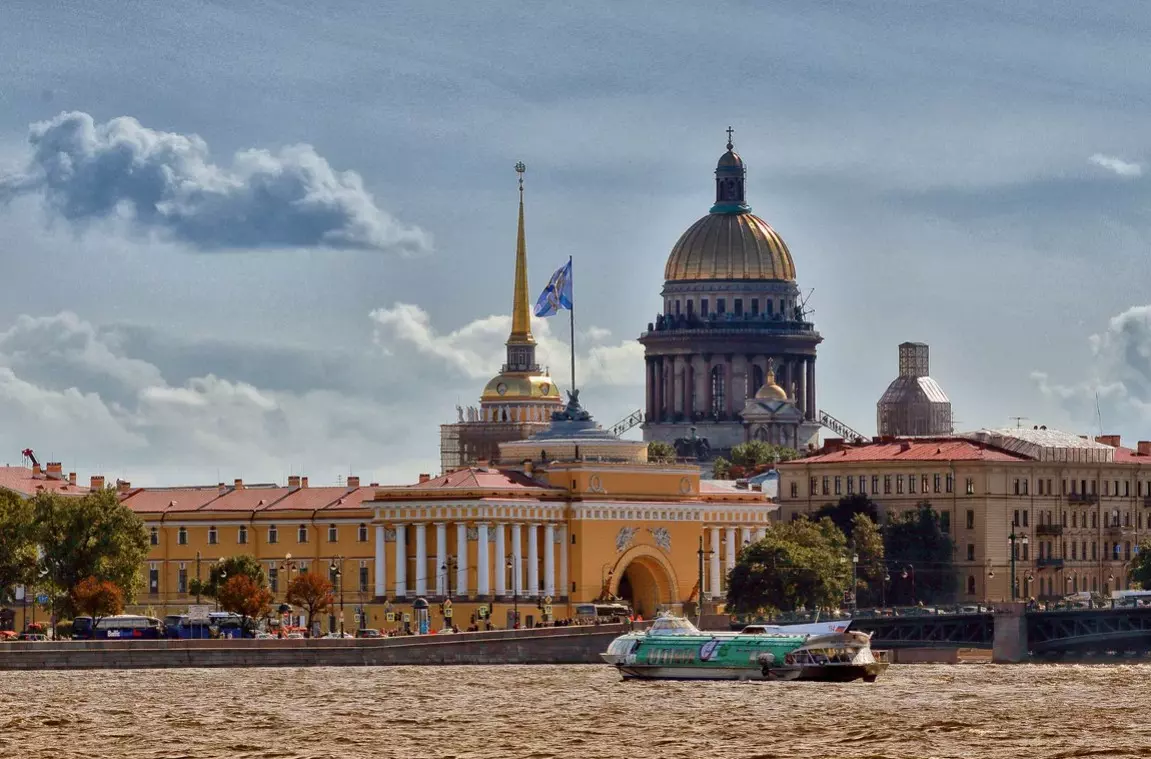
[730,145]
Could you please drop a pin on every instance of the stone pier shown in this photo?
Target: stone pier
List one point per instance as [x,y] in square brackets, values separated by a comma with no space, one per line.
[1009,645]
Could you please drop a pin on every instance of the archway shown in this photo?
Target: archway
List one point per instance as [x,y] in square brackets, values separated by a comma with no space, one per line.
[645,580]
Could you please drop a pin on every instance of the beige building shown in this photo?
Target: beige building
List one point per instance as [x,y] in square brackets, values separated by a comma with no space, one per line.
[1077,507]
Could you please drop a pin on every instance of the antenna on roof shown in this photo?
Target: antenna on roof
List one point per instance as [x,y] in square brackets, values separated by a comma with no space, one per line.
[1019,420]
[1098,414]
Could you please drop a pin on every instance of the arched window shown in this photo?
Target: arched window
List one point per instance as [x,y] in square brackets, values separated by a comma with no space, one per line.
[756,379]
[718,396]
[970,585]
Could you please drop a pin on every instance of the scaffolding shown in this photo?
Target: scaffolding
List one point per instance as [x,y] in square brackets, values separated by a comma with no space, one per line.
[466,443]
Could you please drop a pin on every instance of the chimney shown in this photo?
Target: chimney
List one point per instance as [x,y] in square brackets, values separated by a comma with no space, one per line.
[1145,447]
[833,444]
[97,482]
[424,477]
[36,470]
[528,467]
[303,482]
[55,470]
[238,484]
[374,485]
[293,480]
[1111,440]
[904,446]
[482,463]
[71,478]
[353,481]
[123,486]
[223,488]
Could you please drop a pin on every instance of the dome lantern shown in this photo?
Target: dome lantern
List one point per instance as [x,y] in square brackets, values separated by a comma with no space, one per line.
[730,176]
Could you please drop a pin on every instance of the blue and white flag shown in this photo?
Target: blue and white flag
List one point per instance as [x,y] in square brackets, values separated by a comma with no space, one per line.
[558,293]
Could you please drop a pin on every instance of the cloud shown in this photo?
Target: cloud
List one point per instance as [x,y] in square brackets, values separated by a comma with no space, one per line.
[166,183]
[1117,165]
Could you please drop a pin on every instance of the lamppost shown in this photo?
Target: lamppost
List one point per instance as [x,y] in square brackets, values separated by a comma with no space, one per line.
[198,588]
[883,591]
[703,555]
[854,583]
[909,571]
[450,564]
[1011,539]
[223,578]
[288,566]
[337,569]
[515,592]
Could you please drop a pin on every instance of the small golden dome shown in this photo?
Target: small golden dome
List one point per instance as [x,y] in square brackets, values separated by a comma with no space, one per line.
[730,246]
[519,387]
[729,159]
[771,391]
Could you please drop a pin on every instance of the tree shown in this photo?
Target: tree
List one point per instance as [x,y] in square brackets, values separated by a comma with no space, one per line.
[93,535]
[17,544]
[843,513]
[755,453]
[917,546]
[867,544]
[660,452]
[312,592]
[721,468]
[233,566]
[244,596]
[97,599]
[1140,572]
[798,564]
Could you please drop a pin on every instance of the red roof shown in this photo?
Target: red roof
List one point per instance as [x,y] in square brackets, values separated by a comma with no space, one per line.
[1130,456]
[475,478]
[941,449]
[161,500]
[246,499]
[21,480]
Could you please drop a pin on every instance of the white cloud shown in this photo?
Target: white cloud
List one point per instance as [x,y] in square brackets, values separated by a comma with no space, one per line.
[1117,165]
[166,182]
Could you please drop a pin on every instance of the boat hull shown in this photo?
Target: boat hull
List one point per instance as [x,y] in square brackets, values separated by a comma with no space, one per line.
[834,673]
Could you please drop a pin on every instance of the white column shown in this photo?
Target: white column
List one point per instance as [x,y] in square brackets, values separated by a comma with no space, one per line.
[731,549]
[401,560]
[760,533]
[533,588]
[744,536]
[501,558]
[421,559]
[461,559]
[713,581]
[381,585]
[517,559]
[484,569]
[563,532]
[550,560]
[441,558]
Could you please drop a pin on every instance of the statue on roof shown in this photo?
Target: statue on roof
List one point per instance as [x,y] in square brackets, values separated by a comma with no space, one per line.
[573,412]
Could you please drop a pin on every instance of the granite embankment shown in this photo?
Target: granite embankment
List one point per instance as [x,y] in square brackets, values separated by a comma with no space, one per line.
[555,645]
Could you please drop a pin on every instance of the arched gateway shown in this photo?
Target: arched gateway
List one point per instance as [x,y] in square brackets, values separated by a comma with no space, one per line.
[645,579]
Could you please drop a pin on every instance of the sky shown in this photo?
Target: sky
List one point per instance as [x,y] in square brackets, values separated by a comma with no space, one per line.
[262,238]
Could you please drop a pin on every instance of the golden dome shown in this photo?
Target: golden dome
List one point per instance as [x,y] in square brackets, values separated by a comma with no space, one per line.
[730,159]
[520,387]
[730,246]
[771,391]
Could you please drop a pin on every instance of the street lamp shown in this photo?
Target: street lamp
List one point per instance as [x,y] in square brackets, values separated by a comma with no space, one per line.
[1011,540]
[854,583]
[909,571]
[886,579]
[337,569]
[450,563]
[515,593]
[220,584]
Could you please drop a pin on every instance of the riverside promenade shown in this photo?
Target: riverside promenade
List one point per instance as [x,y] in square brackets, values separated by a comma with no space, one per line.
[549,645]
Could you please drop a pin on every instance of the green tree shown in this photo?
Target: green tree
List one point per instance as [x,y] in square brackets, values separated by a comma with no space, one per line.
[867,544]
[843,513]
[17,544]
[93,535]
[721,468]
[917,546]
[233,566]
[756,453]
[660,452]
[798,564]
[1140,571]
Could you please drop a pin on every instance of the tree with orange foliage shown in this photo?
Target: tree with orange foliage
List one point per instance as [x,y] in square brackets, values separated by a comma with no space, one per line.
[244,596]
[312,592]
[97,599]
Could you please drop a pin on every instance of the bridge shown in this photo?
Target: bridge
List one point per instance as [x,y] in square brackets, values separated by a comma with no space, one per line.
[1038,634]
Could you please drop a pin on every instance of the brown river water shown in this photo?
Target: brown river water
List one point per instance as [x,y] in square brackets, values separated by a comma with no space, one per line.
[969,711]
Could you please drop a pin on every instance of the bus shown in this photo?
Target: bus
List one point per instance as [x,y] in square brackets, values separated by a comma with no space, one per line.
[603,613]
[1131,597]
[219,624]
[119,627]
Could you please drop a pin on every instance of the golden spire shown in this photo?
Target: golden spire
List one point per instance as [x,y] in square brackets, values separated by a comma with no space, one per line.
[521,308]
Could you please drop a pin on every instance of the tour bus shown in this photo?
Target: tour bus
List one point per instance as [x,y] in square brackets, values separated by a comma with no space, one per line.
[1131,597]
[602,612]
[219,624]
[121,626]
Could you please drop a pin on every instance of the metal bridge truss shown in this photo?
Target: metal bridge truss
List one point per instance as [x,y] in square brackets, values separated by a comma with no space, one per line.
[1103,629]
[950,631]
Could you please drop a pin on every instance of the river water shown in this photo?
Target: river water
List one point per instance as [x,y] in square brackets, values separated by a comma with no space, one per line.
[922,711]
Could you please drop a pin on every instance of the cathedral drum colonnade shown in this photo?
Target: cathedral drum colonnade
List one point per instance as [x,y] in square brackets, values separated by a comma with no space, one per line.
[732,314]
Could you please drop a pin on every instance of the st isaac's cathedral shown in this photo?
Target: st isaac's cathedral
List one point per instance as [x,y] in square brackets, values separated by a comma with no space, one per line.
[731,358]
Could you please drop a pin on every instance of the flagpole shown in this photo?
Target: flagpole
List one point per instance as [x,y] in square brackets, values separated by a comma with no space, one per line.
[571,314]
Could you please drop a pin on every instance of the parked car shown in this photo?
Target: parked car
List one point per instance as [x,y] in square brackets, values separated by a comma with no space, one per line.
[339,635]
[33,636]
[295,636]
[369,632]
[261,635]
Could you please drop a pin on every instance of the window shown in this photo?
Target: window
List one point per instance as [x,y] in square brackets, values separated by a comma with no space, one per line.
[970,585]
[911,483]
[1126,488]
[862,485]
[690,307]
[303,567]
[153,579]
[363,578]
[362,533]
[155,538]
[1074,552]
[969,486]
[677,306]
[739,306]
[1094,550]
[1126,518]
[333,534]
[826,485]
[945,522]
[1074,519]
[770,305]
[875,485]
[1015,519]
[302,534]
[887,484]
[899,483]
[755,306]
[850,485]
[950,482]
[923,484]
[1049,490]
[1116,490]
[1016,486]
[703,307]
[1025,556]
[274,578]
[971,552]
[212,536]
[182,536]
[1025,517]
[971,519]
[795,490]
[938,483]
[838,485]
[1093,486]
[814,486]
[1025,481]
[273,534]
[1105,487]
[242,535]
[720,306]
[1094,520]
[182,580]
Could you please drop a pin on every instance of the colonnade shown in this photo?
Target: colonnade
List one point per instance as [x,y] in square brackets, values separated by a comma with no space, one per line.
[722,549]
[452,573]
[693,386]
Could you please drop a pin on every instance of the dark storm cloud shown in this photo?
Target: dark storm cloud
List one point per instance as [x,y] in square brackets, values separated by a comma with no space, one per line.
[167,182]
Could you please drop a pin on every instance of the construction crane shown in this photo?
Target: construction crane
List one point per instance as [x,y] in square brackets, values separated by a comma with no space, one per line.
[27,453]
